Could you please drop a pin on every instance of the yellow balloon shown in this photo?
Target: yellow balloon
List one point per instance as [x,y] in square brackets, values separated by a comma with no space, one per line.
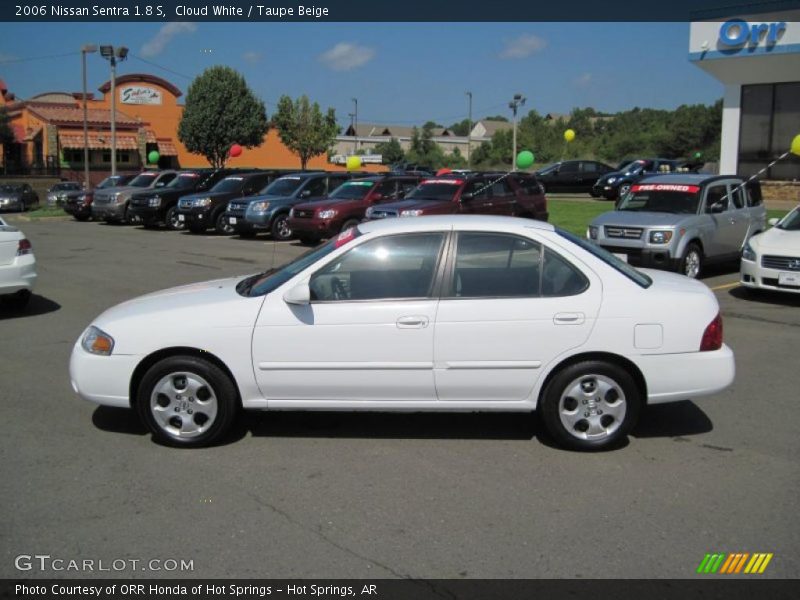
[795,149]
[353,163]
[569,135]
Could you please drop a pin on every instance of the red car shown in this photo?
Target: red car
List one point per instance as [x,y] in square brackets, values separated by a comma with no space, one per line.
[515,194]
[346,205]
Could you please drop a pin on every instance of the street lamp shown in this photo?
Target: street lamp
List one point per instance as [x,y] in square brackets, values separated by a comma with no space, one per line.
[86,49]
[469,131]
[113,55]
[515,103]
[355,127]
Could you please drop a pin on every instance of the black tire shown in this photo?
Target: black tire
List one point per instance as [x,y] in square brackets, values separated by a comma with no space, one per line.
[280,228]
[308,239]
[691,263]
[350,223]
[127,217]
[623,189]
[221,224]
[601,387]
[171,219]
[185,407]
[18,300]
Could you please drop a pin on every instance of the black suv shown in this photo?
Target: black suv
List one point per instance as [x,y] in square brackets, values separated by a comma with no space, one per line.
[572,175]
[154,207]
[202,210]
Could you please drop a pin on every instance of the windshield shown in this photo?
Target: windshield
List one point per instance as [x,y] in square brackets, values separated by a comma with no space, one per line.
[142,180]
[790,222]
[620,265]
[352,190]
[184,180]
[263,283]
[109,182]
[229,184]
[11,188]
[285,186]
[435,190]
[664,198]
[632,167]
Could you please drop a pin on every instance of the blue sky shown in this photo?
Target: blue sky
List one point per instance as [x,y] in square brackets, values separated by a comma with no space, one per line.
[401,73]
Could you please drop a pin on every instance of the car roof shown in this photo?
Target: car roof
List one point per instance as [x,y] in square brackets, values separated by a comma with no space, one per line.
[439,222]
[688,178]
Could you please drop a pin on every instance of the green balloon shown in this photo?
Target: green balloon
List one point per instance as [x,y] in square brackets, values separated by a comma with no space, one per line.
[524,159]
[698,154]
[153,156]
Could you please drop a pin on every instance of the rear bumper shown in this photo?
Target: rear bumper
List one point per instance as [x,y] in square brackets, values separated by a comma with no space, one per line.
[673,377]
[19,275]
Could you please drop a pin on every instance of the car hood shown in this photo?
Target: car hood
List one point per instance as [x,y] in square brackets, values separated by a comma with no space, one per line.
[616,175]
[325,203]
[639,218]
[122,188]
[195,195]
[779,241]
[207,305]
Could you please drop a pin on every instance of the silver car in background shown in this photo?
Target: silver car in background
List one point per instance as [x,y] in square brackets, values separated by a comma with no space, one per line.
[682,222]
[111,204]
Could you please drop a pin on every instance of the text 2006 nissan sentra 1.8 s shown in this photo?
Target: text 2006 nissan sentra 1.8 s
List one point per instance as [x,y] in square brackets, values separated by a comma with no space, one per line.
[451,313]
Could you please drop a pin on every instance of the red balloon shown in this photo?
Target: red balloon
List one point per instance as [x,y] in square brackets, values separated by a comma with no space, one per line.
[444,171]
[235,150]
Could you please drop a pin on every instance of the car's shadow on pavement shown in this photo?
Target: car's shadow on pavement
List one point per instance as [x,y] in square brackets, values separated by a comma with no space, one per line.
[118,420]
[765,296]
[673,419]
[37,305]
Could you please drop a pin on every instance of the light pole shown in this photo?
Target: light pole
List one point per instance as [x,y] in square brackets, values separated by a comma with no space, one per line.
[113,55]
[517,101]
[469,131]
[355,127]
[86,49]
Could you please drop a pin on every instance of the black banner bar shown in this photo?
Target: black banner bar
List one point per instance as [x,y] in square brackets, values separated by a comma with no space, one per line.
[382,10]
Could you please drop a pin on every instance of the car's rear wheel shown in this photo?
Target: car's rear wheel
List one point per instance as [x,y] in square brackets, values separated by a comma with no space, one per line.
[221,224]
[590,405]
[691,262]
[172,220]
[186,401]
[280,228]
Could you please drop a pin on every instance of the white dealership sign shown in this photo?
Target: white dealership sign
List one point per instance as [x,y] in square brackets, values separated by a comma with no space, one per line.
[138,94]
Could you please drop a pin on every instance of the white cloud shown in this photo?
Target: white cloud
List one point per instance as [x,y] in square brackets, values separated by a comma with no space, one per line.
[344,56]
[523,46]
[156,45]
[252,57]
[583,80]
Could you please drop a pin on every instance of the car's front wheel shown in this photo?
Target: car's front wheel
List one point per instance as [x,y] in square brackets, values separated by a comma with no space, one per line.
[691,262]
[623,189]
[222,224]
[280,228]
[590,405]
[186,401]
[173,222]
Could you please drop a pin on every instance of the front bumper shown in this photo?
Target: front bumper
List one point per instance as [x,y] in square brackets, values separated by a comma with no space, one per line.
[256,220]
[651,258]
[193,217]
[605,190]
[109,212]
[147,214]
[11,205]
[319,227]
[18,275]
[102,379]
[754,276]
[79,210]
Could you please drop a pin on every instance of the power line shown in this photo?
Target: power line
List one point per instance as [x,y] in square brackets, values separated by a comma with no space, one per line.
[168,70]
[31,58]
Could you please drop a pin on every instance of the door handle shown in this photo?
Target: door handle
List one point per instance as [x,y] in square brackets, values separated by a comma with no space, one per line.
[412,322]
[569,318]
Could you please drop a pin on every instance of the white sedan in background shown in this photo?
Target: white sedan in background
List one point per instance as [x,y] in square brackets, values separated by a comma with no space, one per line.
[17,267]
[771,260]
[455,313]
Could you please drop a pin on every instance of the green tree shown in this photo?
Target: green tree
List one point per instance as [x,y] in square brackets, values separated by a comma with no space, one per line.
[461,128]
[431,125]
[220,111]
[496,118]
[304,129]
[391,151]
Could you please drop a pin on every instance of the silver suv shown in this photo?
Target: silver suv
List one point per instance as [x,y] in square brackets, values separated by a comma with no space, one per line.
[682,222]
[111,204]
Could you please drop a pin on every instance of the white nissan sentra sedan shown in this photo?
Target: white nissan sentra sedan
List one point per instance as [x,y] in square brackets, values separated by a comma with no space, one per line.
[452,313]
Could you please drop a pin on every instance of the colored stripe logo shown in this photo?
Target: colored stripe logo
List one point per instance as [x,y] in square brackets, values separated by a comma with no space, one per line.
[735,563]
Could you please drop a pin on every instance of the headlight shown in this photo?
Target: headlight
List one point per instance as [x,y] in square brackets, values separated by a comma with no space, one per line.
[660,237]
[326,214]
[611,180]
[259,206]
[119,198]
[592,232]
[154,202]
[748,253]
[96,341]
[411,213]
[202,202]
[291,213]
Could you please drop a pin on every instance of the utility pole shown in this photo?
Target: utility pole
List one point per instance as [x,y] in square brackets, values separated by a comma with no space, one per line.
[86,49]
[515,103]
[355,120]
[353,128]
[469,131]
[112,54]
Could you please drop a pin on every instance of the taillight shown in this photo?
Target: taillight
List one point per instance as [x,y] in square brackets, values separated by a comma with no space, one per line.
[24,247]
[712,336]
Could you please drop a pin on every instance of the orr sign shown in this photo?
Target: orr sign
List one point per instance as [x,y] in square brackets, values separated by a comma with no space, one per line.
[736,33]
[139,94]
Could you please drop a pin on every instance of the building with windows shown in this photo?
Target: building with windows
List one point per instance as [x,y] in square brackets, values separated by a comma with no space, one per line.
[757,59]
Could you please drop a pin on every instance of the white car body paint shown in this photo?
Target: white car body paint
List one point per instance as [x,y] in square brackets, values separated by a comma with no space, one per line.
[784,246]
[16,272]
[410,355]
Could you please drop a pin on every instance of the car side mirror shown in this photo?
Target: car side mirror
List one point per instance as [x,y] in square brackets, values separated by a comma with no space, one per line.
[467,197]
[305,193]
[773,221]
[377,197]
[299,294]
[717,208]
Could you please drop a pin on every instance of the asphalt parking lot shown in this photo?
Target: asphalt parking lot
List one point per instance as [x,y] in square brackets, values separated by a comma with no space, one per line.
[337,495]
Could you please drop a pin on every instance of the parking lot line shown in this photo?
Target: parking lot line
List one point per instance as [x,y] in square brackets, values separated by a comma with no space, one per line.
[725,286]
